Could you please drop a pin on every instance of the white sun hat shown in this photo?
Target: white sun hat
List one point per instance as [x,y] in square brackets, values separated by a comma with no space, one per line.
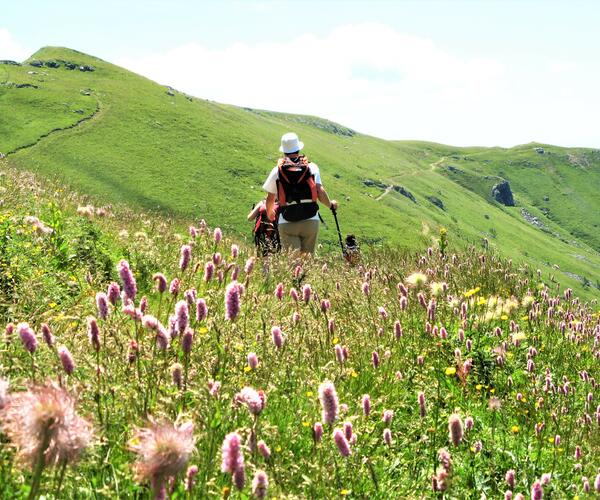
[290,143]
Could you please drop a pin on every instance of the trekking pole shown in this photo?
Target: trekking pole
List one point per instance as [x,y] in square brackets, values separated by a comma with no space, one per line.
[337,225]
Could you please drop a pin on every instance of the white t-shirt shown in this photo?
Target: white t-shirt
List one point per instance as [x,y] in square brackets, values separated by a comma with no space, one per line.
[270,185]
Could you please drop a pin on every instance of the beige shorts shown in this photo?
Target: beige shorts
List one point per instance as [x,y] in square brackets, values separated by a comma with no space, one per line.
[301,235]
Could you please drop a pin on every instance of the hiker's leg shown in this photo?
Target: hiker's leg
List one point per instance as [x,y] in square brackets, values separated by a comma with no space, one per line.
[308,235]
[288,233]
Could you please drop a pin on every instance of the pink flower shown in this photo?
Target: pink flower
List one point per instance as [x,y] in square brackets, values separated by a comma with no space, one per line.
[254,400]
[27,336]
[325,305]
[279,291]
[317,432]
[387,416]
[294,294]
[277,337]
[217,258]
[387,436]
[44,421]
[421,400]
[339,353]
[113,293]
[232,301]
[306,293]
[174,286]
[129,284]
[231,453]
[217,235]
[190,476]
[366,289]
[201,310]
[382,312]
[469,423]
[397,330]
[348,432]
[66,359]
[375,359]
[161,282]
[186,340]
[47,335]
[209,270]
[403,303]
[536,491]
[186,255]
[263,449]
[455,429]
[252,360]
[102,305]
[249,266]
[182,315]
[213,388]
[341,442]
[163,450]
[235,250]
[366,405]
[163,338]
[329,402]
[260,483]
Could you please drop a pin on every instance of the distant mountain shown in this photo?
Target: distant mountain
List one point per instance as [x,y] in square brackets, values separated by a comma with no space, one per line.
[122,138]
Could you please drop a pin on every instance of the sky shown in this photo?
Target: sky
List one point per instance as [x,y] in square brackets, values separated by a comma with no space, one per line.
[466,73]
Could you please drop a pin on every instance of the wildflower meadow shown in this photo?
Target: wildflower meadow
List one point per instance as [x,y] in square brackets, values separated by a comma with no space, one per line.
[175,364]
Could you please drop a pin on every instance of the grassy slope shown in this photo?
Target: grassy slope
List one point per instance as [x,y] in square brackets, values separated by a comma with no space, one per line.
[195,158]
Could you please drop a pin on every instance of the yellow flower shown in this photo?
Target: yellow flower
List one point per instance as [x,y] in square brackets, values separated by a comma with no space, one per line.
[524,318]
[344,492]
[450,370]
[551,440]
[515,429]
[309,394]
[52,305]
[443,230]
[305,424]
[278,449]
[481,301]
[504,317]
[335,340]
[203,329]
[492,391]
[478,387]
[354,374]
[247,369]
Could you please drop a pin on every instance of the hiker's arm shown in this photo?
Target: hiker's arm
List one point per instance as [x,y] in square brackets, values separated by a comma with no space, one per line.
[254,212]
[270,207]
[324,198]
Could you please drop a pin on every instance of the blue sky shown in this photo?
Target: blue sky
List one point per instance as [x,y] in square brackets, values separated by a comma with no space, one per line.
[459,72]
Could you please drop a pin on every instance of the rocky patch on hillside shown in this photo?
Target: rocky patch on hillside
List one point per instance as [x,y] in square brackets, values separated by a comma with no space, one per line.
[70,65]
[503,194]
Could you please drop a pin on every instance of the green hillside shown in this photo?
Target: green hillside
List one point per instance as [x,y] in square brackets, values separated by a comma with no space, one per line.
[121,138]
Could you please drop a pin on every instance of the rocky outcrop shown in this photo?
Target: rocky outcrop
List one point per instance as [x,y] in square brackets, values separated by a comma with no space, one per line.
[437,202]
[404,192]
[11,63]
[503,194]
[36,64]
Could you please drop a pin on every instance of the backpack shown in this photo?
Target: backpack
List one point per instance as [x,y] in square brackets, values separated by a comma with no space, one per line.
[296,189]
[266,233]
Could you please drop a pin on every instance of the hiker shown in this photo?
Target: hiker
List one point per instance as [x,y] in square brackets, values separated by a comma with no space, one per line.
[266,233]
[296,184]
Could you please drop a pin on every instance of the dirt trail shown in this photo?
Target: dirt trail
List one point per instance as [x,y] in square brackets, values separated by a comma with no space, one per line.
[436,164]
[387,190]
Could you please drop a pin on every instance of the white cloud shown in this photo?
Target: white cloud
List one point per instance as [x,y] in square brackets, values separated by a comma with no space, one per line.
[10,48]
[378,81]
